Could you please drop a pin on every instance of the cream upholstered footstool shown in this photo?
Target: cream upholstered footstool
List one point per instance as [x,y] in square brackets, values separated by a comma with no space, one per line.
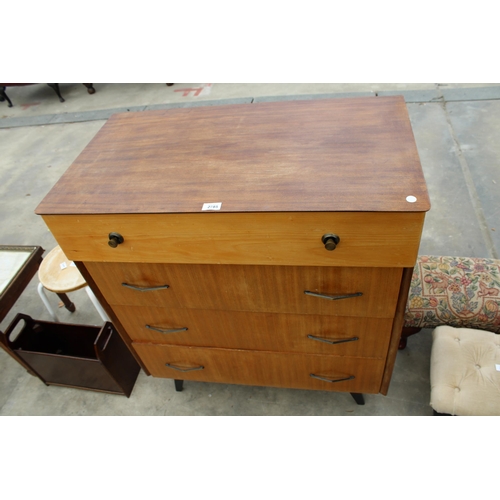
[465,371]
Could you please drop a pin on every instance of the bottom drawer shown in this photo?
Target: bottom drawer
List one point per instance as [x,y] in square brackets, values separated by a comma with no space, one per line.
[231,366]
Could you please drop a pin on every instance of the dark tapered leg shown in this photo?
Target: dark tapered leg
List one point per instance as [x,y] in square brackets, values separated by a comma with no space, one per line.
[405,333]
[169,84]
[90,88]
[67,303]
[5,97]
[178,385]
[55,86]
[441,414]
[358,398]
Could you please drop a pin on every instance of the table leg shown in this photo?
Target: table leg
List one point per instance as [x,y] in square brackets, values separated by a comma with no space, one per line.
[90,88]
[55,86]
[5,97]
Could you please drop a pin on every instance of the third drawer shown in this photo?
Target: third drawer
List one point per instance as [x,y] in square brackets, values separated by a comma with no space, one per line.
[338,335]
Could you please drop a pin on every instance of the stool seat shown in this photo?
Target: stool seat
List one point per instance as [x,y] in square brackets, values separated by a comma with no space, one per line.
[58,274]
[463,374]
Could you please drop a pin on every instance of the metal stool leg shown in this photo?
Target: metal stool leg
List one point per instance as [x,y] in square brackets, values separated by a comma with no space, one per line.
[41,292]
[98,306]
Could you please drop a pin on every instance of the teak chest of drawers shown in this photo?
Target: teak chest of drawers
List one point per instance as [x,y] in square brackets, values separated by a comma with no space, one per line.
[263,244]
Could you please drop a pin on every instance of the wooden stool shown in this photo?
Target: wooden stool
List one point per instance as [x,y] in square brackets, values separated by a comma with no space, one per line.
[59,275]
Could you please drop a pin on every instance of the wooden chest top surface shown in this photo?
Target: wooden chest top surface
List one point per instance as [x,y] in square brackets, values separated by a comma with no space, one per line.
[314,156]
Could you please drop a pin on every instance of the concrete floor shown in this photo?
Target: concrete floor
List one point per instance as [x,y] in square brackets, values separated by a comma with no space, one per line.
[456,127]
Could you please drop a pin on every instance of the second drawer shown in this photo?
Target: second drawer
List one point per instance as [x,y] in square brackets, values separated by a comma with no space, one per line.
[343,336]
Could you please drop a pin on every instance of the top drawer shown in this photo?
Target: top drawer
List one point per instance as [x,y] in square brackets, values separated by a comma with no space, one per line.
[367,239]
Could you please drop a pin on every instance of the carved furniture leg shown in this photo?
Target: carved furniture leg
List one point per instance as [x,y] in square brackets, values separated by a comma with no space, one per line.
[360,400]
[90,88]
[405,333]
[5,97]
[178,385]
[55,86]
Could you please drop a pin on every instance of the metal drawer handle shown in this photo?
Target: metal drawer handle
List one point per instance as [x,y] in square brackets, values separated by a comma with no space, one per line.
[145,288]
[332,341]
[332,297]
[166,330]
[352,377]
[178,368]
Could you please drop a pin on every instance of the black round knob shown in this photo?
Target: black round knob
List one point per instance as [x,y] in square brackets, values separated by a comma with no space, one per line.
[330,241]
[115,239]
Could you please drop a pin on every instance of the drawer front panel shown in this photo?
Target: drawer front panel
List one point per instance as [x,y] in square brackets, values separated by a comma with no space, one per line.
[367,239]
[252,288]
[313,334]
[263,368]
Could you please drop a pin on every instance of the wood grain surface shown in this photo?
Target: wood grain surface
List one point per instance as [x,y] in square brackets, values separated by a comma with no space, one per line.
[59,279]
[396,328]
[252,288]
[321,155]
[272,369]
[367,239]
[259,331]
